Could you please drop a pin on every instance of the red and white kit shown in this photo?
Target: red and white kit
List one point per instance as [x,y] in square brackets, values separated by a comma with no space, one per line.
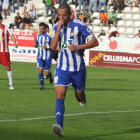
[5,32]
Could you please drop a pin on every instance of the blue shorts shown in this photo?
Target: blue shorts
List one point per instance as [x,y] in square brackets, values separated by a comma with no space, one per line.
[65,78]
[46,64]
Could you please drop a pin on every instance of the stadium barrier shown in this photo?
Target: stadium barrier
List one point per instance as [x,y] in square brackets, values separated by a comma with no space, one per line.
[122,52]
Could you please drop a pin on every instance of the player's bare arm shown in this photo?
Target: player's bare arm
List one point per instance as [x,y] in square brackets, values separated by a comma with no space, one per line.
[35,45]
[56,37]
[93,43]
[14,40]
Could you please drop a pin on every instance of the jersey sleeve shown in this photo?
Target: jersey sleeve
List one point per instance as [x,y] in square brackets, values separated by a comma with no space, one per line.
[85,31]
[36,41]
[110,35]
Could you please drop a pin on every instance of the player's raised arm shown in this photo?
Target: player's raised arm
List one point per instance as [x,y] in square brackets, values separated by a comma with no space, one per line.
[14,40]
[55,39]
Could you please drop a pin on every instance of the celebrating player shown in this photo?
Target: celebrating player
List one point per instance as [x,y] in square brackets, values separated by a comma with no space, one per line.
[5,32]
[44,59]
[70,70]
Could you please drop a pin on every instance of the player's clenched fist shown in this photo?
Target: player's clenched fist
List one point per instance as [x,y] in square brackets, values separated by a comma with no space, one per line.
[59,25]
[73,47]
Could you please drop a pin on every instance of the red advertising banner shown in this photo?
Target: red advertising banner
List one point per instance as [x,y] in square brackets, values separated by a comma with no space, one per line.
[114,59]
[24,38]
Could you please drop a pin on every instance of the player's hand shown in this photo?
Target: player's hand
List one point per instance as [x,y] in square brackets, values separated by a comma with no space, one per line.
[59,25]
[73,47]
[16,46]
[44,47]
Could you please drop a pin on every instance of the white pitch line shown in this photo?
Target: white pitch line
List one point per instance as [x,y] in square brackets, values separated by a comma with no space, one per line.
[77,114]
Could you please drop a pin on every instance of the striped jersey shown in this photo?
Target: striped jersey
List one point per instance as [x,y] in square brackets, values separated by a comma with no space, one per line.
[5,32]
[75,33]
[44,40]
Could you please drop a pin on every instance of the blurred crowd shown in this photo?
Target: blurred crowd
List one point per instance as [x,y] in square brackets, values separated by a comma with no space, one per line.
[85,9]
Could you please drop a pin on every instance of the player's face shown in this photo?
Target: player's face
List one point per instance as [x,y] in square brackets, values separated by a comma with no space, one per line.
[0,20]
[64,15]
[42,30]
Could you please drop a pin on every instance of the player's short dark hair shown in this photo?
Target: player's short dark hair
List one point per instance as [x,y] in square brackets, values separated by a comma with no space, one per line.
[1,17]
[65,6]
[78,11]
[42,24]
[46,26]
[138,30]
[113,34]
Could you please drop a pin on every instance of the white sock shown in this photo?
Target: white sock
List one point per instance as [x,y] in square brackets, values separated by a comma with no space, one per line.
[10,76]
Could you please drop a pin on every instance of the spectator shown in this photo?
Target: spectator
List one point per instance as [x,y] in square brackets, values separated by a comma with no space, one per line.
[54,2]
[101,34]
[49,4]
[60,1]
[112,18]
[91,4]
[103,18]
[24,1]
[102,3]
[25,11]
[32,13]
[117,5]
[77,16]
[133,2]
[72,14]
[114,33]
[25,20]
[81,2]
[5,7]
[17,4]
[86,17]
[0,6]
[138,34]
[54,17]
[17,21]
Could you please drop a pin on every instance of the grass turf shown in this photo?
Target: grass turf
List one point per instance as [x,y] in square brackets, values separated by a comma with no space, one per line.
[107,89]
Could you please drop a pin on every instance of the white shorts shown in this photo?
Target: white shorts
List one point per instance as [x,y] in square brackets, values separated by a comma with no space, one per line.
[5,6]
[133,0]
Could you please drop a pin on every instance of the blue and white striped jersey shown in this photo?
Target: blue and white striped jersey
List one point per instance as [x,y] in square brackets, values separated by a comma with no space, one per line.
[76,33]
[44,40]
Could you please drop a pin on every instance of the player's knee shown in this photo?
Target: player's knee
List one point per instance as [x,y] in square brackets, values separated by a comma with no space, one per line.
[60,96]
[8,68]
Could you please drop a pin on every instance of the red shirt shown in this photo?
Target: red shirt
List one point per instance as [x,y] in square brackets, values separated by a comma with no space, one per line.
[5,32]
[112,34]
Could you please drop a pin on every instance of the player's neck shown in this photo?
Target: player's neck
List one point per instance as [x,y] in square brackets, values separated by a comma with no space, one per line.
[0,24]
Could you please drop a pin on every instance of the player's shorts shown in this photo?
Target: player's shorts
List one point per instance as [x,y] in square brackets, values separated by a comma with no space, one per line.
[55,55]
[5,6]
[76,79]
[46,64]
[5,58]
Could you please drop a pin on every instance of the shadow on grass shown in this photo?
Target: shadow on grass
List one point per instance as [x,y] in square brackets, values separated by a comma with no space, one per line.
[108,89]
[17,134]
[136,130]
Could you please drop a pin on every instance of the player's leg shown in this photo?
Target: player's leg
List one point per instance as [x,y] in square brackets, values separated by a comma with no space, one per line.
[61,81]
[40,67]
[47,70]
[10,76]
[78,82]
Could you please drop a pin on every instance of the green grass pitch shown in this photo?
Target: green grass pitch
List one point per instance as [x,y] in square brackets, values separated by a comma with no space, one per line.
[113,106]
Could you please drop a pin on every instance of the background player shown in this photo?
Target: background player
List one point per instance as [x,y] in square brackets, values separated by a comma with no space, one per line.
[5,32]
[44,59]
[54,52]
[71,35]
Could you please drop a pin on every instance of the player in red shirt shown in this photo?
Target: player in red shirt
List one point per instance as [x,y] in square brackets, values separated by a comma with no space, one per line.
[114,33]
[138,34]
[5,33]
